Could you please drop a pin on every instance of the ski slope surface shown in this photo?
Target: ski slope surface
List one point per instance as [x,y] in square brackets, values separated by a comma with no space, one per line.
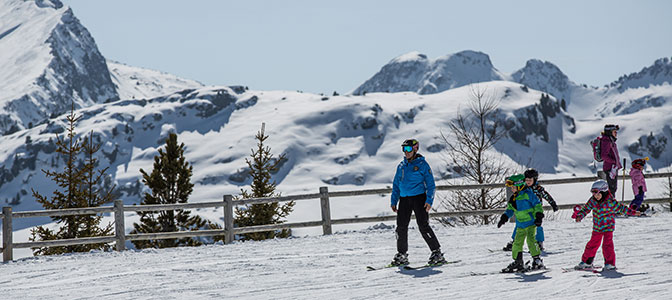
[334,267]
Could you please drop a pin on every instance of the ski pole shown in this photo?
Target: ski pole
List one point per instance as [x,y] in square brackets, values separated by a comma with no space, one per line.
[623,185]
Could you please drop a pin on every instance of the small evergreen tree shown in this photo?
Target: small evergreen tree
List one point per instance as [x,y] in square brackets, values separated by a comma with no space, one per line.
[81,188]
[262,166]
[169,182]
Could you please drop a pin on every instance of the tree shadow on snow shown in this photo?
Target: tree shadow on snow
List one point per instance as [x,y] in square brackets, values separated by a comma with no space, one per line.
[419,273]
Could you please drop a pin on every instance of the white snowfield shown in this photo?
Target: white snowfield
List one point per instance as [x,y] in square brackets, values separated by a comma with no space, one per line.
[334,267]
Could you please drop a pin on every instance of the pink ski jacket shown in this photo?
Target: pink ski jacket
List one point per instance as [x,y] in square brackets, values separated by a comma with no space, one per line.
[637,179]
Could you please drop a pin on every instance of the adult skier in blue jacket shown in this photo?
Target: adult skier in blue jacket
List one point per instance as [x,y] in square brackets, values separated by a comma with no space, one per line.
[413,189]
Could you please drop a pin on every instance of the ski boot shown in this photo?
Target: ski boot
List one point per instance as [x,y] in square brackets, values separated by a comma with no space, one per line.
[509,246]
[515,266]
[400,259]
[583,266]
[609,267]
[537,263]
[436,258]
[541,246]
[643,208]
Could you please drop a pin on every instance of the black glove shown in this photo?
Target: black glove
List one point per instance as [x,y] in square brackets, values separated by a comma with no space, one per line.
[502,220]
[538,218]
[641,191]
[553,205]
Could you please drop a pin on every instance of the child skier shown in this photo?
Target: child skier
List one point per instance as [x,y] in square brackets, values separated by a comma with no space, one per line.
[604,207]
[527,208]
[531,177]
[638,184]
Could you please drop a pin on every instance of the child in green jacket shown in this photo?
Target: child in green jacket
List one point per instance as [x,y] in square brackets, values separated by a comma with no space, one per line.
[525,205]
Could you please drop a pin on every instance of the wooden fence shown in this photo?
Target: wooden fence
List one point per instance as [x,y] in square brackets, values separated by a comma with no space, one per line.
[229,231]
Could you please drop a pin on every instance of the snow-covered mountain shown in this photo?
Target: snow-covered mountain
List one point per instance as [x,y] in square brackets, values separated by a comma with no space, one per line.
[48,61]
[416,73]
[547,77]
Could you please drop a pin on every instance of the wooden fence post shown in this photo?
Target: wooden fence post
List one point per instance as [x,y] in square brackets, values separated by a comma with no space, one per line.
[7,254]
[119,225]
[228,219]
[326,212]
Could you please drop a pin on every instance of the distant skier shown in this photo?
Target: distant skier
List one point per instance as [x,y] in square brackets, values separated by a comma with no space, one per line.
[413,189]
[604,207]
[638,184]
[525,205]
[609,153]
[531,177]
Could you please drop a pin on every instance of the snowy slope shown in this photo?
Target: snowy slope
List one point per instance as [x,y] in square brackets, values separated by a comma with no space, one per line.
[139,83]
[344,141]
[333,267]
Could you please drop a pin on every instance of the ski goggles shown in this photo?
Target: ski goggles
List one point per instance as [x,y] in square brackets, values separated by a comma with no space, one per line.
[407,148]
[594,191]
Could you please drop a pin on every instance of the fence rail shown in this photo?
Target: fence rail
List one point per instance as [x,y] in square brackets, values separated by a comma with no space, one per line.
[229,231]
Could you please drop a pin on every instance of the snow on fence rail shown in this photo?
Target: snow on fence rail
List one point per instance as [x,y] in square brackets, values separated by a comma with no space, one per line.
[229,231]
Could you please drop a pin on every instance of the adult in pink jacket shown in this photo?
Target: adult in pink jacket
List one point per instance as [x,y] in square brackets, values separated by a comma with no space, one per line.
[610,157]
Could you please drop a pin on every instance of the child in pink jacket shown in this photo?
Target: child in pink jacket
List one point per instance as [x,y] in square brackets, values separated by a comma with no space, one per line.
[638,182]
[604,207]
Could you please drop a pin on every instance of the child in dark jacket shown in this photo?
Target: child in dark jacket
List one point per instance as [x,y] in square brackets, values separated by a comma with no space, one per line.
[604,207]
[638,182]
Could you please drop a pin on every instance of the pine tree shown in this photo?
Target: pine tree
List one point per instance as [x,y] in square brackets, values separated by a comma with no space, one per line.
[169,182]
[80,189]
[262,166]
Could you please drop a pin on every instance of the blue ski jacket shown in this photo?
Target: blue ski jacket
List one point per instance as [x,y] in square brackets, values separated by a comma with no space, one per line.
[413,178]
[524,204]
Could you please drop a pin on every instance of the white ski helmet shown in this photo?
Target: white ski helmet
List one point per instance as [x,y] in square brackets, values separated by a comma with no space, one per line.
[600,186]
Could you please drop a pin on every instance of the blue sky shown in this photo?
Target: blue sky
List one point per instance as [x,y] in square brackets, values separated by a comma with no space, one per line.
[326,46]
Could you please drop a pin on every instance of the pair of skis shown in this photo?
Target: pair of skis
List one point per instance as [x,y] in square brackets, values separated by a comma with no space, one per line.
[409,267]
[594,269]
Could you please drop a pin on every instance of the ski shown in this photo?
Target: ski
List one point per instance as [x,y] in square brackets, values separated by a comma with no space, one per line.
[527,271]
[372,268]
[408,267]
[594,269]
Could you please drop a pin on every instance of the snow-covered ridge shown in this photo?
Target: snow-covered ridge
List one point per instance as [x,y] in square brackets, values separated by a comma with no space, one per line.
[658,73]
[414,72]
[140,83]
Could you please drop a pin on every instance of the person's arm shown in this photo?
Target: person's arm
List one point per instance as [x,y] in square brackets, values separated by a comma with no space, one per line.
[545,195]
[625,210]
[431,187]
[394,197]
[584,210]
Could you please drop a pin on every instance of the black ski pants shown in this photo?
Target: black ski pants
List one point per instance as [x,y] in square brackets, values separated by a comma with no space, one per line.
[613,184]
[416,204]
